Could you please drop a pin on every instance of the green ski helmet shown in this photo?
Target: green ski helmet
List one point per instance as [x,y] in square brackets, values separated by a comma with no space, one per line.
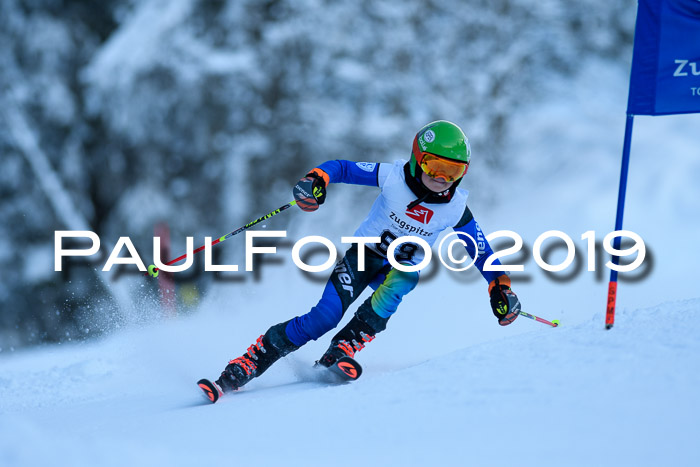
[446,141]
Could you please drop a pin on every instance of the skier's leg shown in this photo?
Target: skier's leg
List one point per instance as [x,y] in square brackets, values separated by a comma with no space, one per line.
[319,320]
[343,287]
[371,317]
[269,348]
[387,297]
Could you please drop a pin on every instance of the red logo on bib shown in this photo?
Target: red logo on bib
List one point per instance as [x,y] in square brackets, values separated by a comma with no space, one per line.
[420,214]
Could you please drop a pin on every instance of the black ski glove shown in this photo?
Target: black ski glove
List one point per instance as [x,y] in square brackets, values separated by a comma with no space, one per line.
[310,191]
[504,303]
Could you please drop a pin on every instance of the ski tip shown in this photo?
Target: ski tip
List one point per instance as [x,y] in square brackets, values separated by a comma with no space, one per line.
[555,322]
[212,391]
[349,367]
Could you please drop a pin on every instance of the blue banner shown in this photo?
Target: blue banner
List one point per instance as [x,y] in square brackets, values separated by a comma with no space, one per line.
[665,76]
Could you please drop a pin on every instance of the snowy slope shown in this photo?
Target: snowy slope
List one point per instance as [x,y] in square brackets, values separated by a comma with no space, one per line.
[566,396]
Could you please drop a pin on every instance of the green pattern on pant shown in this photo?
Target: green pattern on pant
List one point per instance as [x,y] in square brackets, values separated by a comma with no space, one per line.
[386,299]
[390,284]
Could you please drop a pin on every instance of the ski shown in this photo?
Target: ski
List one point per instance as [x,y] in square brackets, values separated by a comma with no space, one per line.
[346,368]
[212,391]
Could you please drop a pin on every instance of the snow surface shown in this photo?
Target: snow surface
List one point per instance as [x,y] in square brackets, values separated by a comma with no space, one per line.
[576,395]
[444,384]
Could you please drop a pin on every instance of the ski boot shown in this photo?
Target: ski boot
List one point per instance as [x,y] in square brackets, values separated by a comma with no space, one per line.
[361,329]
[269,348]
[352,338]
[339,356]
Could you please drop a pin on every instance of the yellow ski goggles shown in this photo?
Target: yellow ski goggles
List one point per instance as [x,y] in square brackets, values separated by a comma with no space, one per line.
[436,166]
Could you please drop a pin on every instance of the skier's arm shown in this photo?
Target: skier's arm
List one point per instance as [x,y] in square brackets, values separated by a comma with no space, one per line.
[469,226]
[354,173]
[504,303]
[310,191]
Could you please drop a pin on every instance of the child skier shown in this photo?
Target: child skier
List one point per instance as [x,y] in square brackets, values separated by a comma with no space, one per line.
[419,196]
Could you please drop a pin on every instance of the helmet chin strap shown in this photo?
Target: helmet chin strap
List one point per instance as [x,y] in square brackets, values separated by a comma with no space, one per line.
[423,192]
[416,202]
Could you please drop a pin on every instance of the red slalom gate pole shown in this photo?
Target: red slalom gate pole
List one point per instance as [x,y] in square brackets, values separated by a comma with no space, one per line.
[624,169]
[153,270]
[554,323]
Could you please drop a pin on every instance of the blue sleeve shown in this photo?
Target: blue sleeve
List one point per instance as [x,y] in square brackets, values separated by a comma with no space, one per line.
[472,228]
[355,173]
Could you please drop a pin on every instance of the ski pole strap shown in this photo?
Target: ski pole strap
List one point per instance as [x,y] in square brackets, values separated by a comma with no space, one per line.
[554,323]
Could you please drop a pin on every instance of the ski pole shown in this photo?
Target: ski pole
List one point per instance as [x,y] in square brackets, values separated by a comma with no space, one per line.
[153,270]
[554,323]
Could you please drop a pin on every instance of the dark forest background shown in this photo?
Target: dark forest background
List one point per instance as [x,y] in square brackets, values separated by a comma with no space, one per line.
[118,115]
